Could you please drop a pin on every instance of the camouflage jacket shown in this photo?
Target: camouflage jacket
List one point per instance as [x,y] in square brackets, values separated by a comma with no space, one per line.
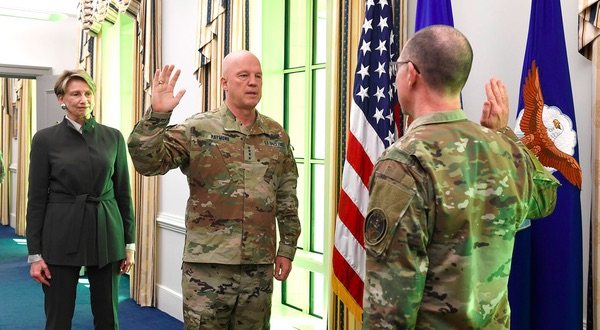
[445,203]
[240,179]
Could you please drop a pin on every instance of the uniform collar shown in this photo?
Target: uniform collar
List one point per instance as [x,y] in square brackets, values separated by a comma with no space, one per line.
[231,123]
[438,118]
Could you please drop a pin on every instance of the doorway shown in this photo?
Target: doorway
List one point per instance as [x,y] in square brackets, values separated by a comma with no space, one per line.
[39,82]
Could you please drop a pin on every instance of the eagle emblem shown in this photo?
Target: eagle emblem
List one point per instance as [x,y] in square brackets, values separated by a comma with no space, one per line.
[547,132]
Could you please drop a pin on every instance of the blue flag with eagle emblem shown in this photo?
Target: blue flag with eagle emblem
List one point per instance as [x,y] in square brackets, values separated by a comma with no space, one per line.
[545,284]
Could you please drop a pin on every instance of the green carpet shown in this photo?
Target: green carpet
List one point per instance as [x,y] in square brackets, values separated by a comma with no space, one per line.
[21,299]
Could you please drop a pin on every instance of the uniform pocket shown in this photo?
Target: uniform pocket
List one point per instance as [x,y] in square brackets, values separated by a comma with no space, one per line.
[270,176]
[211,166]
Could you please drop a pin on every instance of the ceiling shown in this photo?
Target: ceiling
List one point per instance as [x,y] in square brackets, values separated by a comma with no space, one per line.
[68,7]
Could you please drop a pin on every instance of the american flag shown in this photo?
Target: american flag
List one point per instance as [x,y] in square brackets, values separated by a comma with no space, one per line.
[373,116]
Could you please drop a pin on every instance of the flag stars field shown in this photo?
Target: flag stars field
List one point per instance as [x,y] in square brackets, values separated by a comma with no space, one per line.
[372,129]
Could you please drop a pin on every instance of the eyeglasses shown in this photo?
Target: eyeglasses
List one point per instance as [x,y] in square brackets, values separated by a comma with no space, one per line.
[395,65]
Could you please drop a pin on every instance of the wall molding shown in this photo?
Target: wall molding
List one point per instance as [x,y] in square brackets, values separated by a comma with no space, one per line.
[23,71]
[171,222]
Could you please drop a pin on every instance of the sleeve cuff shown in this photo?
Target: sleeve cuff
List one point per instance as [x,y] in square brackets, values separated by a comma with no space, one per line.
[130,246]
[287,251]
[34,258]
[160,116]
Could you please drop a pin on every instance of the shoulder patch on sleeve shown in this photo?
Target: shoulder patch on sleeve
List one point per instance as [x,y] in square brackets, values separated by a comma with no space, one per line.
[376,226]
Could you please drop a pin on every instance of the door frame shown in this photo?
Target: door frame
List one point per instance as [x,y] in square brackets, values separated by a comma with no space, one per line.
[23,71]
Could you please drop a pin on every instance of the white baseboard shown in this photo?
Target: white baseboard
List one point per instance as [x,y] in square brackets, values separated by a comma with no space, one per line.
[12,220]
[169,302]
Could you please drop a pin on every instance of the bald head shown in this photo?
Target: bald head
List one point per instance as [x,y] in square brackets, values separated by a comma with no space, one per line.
[443,55]
[241,80]
[235,59]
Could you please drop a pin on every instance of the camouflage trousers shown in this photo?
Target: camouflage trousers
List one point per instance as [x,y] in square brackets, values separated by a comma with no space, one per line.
[217,296]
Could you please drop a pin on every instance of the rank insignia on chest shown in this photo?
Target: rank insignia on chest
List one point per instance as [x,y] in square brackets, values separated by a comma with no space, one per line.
[249,153]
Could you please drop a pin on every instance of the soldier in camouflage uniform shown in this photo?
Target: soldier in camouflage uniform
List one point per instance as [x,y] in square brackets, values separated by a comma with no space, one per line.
[447,199]
[242,176]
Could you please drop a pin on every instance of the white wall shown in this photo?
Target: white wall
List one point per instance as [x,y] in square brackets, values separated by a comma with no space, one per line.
[179,46]
[39,43]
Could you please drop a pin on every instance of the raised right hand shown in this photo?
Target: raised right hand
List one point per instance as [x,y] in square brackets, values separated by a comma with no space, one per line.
[495,109]
[163,86]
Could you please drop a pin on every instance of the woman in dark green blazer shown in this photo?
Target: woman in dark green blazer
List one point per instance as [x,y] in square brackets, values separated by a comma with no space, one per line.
[79,210]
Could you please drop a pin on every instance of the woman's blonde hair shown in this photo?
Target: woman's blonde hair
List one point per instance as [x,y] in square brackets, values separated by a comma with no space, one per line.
[64,78]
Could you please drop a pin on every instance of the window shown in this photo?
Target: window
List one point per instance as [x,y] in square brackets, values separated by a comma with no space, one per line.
[294,93]
[117,72]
